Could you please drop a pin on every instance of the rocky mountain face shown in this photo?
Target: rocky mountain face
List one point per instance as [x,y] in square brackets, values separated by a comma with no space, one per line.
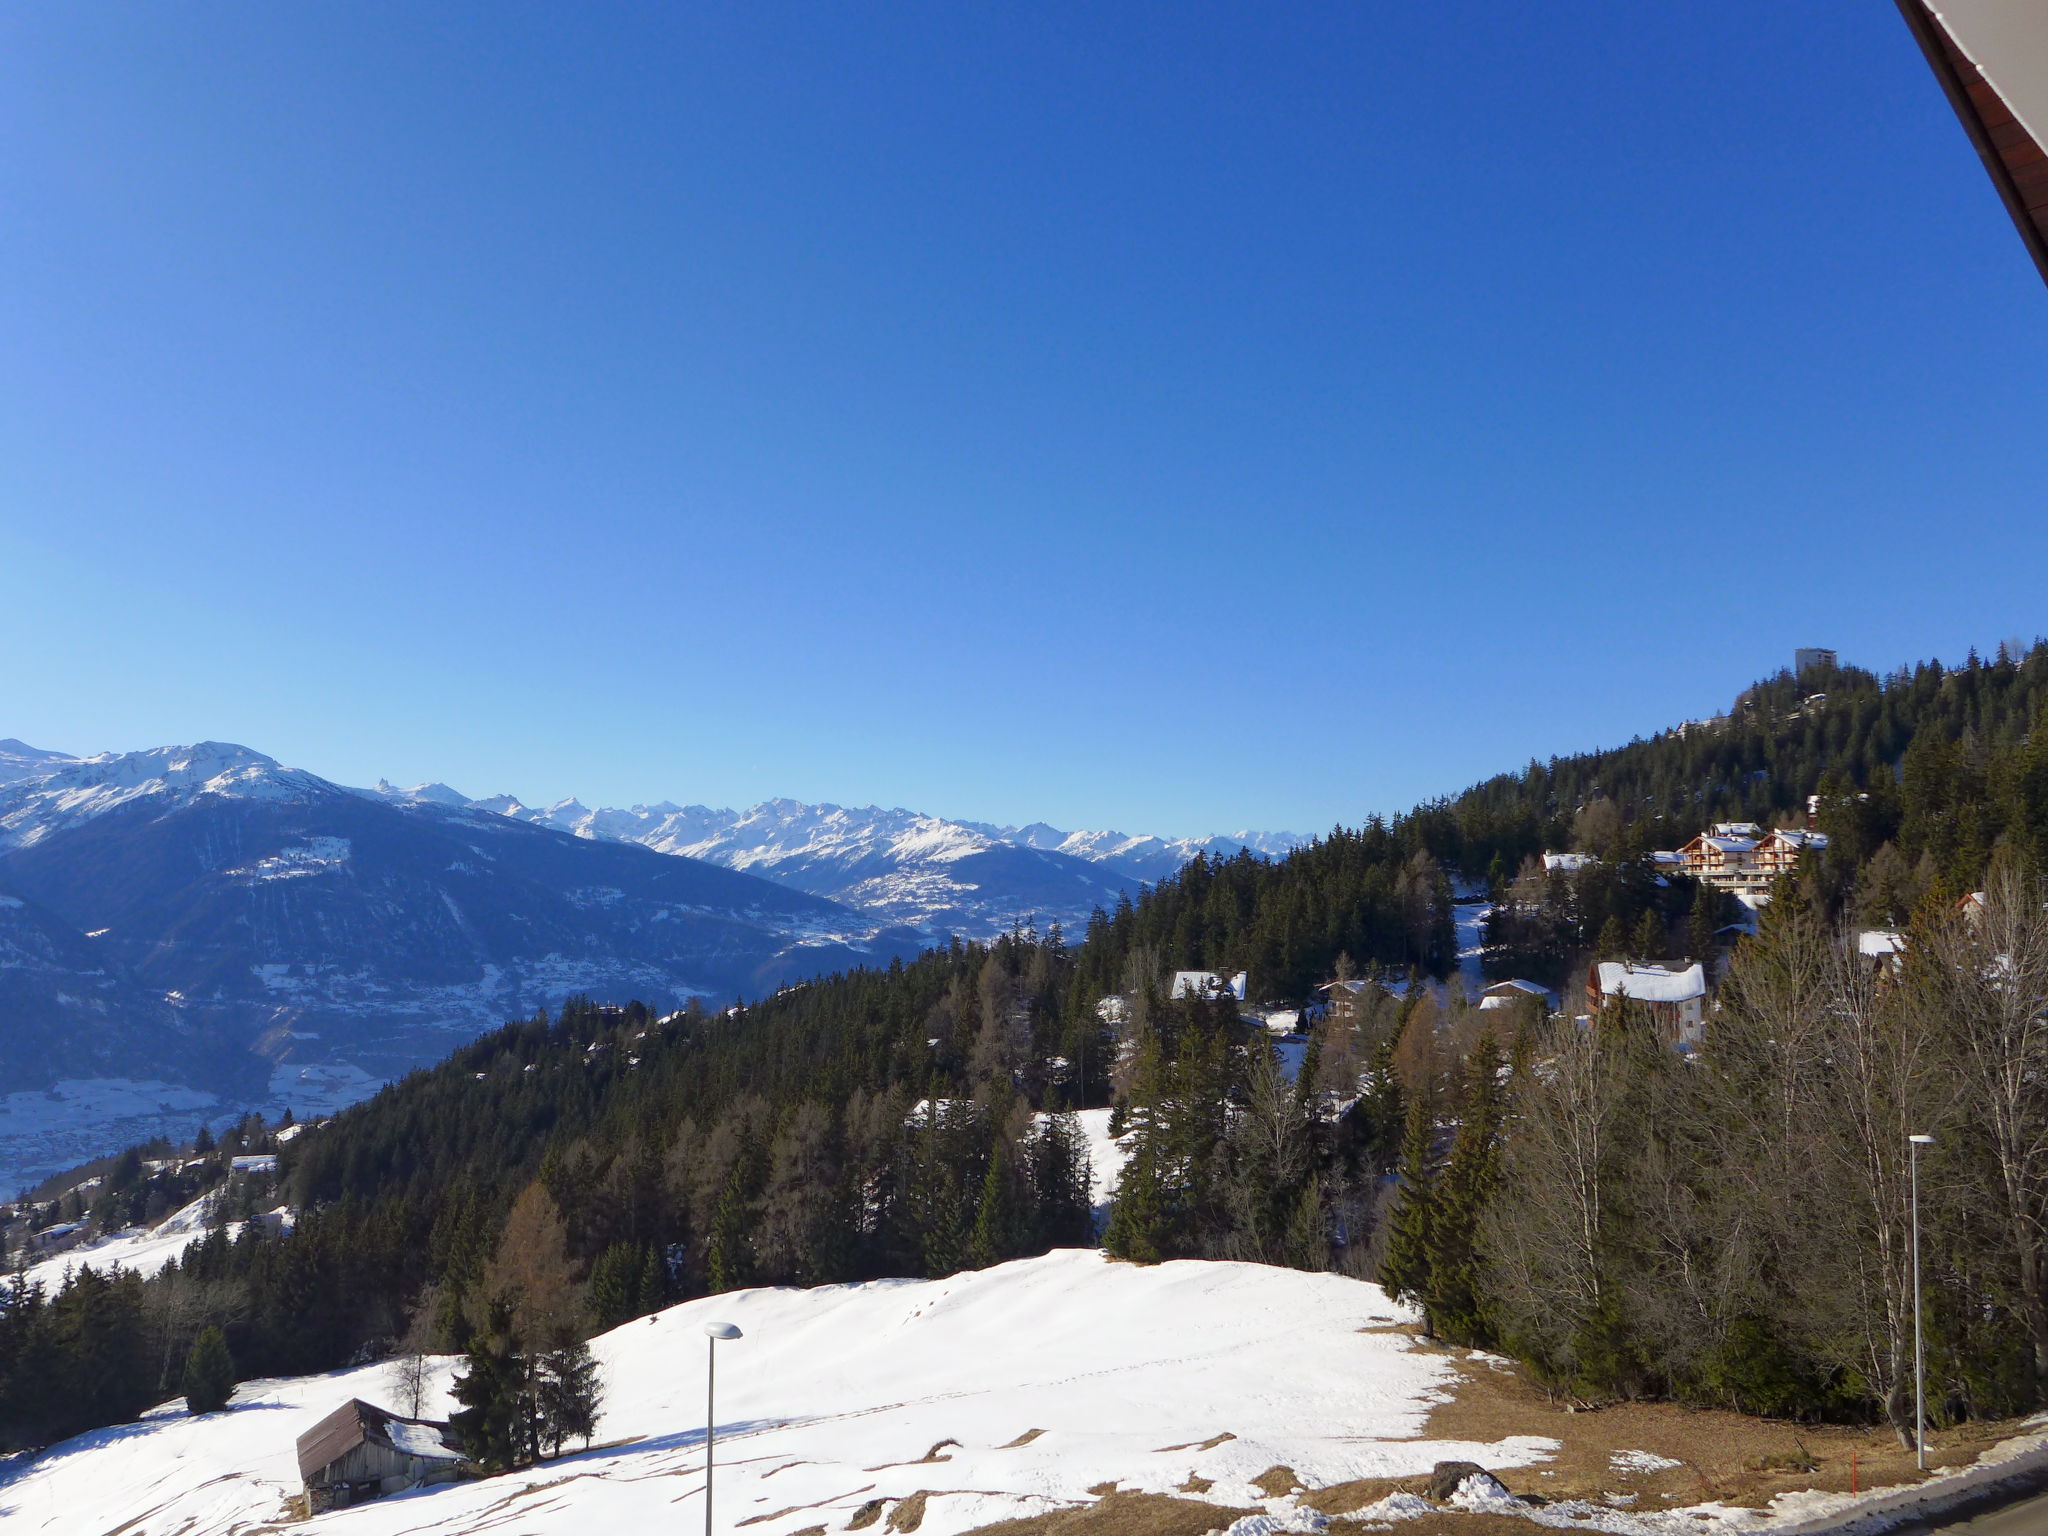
[207,919]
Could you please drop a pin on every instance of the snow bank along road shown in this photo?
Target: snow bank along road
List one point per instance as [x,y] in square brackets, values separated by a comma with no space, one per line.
[1004,1392]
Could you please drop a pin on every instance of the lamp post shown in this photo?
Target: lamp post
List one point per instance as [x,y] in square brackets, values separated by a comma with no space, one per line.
[713,1332]
[1913,1146]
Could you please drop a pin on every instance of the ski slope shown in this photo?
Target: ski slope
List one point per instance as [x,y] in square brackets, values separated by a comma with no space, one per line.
[998,1393]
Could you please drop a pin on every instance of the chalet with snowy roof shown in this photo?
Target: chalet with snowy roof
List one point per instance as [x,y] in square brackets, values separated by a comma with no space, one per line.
[65,1235]
[360,1451]
[1208,985]
[1677,1000]
[1777,853]
[1506,994]
[1567,863]
[1882,949]
[1726,858]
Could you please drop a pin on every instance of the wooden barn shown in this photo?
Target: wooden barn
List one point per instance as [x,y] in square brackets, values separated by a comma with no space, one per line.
[360,1451]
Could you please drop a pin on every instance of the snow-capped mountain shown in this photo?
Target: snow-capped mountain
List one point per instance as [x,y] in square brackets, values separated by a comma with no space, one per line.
[19,760]
[900,866]
[1147,858]
[203,925]
[207,920]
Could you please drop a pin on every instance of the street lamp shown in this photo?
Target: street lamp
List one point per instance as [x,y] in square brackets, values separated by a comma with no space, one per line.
[1913,1146]
[713,1332]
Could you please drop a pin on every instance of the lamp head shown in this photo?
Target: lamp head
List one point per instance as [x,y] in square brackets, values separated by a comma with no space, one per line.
[1921,1141]
[721,1331]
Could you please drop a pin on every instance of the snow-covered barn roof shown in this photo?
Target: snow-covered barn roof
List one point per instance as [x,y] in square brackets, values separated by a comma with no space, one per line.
[1876,943]
[1568,862]
[356,1422]
[1652,983]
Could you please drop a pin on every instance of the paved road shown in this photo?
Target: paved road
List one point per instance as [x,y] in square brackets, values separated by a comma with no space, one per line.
[2028,1517]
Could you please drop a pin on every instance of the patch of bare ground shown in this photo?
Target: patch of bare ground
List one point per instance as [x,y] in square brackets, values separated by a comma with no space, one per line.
[926,1459]
[1026,1438]
[908,1514]
[1276,1482]
[1125,1514]
[1727,1457]
[1209,1444]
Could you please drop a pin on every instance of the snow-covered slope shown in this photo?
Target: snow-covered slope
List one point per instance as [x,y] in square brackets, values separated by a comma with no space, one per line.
[902,866]
[999,1393]
[145,1250]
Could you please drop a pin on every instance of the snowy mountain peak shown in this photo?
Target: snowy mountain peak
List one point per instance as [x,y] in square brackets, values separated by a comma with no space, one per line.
[431,794]
[19,760]
[82,788]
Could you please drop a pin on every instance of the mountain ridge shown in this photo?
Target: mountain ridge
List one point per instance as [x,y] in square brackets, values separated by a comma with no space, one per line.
[884,860]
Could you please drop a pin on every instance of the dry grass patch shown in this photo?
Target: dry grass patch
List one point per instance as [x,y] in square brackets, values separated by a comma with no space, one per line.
[908,1514]
[1276,1482]
[1723,1456]
[1209,1444]
[1124,1514]
[1026,1438]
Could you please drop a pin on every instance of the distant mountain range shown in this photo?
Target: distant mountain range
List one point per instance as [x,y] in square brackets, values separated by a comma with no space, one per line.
[203,926]
[899,866]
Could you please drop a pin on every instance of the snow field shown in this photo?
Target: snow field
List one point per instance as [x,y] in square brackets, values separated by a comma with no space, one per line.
[1141,1377]
[145,1250]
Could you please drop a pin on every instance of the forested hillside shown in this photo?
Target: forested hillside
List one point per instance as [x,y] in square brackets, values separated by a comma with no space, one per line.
[913,1120]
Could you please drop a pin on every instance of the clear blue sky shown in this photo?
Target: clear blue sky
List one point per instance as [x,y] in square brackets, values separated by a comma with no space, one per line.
[1169,417]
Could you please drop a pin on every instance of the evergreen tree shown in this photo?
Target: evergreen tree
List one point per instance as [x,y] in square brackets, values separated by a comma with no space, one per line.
[728,1263]
[1702,922]
[492,1421]
[1061,1181]
[1453,1294]
[1613,941]
[997,1219]
[570,1395]
[209,1379]
[615,1285]
[1408,1269]
[1647,947]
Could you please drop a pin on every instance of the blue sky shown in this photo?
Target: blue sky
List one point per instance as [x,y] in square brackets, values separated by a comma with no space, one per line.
[1171,417]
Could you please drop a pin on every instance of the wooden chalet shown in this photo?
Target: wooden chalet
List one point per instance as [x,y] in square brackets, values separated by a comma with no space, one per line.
[1677,1000]
[360,1451]
[1515,992]
[1778,852]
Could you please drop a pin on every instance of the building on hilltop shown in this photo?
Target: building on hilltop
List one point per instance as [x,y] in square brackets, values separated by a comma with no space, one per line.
[1811,656]
[1677,1000]
[360,1451]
